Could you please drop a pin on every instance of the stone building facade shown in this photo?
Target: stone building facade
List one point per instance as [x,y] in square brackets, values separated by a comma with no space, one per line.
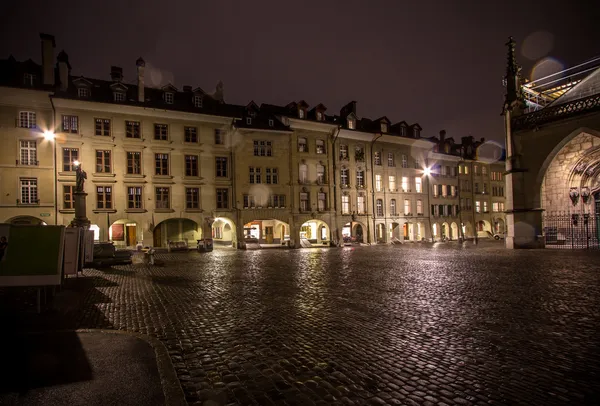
[167,164]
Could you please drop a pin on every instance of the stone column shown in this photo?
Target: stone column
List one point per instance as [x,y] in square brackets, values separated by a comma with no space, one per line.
[80,219]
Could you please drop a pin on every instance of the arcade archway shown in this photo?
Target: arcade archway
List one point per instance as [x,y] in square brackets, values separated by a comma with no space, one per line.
[176,230]
[354,232]
[266,233]
[224,232]
[26,221]
[314,233]
[125,233]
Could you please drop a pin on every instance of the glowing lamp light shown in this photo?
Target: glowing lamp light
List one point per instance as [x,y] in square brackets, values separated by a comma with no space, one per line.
[427,171]
[49,135]
[76,163]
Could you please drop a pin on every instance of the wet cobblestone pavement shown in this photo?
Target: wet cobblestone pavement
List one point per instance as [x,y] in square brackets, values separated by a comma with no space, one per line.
[366,325]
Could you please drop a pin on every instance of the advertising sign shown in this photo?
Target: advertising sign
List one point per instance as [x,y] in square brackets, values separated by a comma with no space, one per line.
[71,255]
[33,255]
[88,247]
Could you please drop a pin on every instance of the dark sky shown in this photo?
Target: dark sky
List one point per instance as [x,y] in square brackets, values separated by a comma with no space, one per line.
[439,63]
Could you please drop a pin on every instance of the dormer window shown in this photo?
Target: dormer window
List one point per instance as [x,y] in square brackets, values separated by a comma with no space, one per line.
[271,123]
[416,132]
[119,96]
[319,116]
[28,79]
[403,131]
[83,92]
[248,120]
[384,128]
[351,123]
[198,101]
[447,149]
[301,113]
[169,97]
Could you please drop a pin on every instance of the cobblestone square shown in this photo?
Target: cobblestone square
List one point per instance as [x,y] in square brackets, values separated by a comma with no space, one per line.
[366,325]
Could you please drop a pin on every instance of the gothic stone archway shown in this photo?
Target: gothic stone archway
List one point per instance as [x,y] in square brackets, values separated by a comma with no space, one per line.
[534,140]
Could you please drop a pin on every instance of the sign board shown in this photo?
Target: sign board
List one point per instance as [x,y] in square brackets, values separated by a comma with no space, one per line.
[71,255]
[34,255]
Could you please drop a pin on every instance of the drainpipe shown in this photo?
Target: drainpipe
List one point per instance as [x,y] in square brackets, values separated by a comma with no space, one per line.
[460,226]
[54,161]
[334,176]
[377,136]
[233,189]
[473,207]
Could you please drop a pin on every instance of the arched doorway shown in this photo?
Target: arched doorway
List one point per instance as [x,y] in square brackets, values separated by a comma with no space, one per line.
[394,232]
[266,233]
[176,230]
[353,232]
[223,232]
[125,233]
[314,233]
[435,229]
[408,231]
[421,231]
[499,226]
[445,233]
[454,231]
[26,221]
[380,233]
[484,228]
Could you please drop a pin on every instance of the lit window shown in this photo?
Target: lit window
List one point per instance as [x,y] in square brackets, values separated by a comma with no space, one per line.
[319,116]
[345,204]
[134,197]
[169,97]
[351,123]
[119,96]
[384,128]
[27,119]
[70,124]
[392,183]
[28,150]
[391,162]
[198,101]
[320,147]
[301,113]
[377,158]
[378,183]
[418,185]
[29,191]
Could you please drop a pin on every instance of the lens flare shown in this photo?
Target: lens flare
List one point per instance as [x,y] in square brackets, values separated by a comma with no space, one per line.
[537,45]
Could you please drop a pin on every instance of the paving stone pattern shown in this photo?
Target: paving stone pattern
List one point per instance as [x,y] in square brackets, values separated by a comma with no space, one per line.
[365,325]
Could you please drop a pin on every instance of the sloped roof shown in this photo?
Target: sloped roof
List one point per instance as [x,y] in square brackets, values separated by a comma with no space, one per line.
[587,87]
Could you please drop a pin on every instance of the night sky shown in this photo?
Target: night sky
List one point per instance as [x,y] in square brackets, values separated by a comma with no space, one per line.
[431,62]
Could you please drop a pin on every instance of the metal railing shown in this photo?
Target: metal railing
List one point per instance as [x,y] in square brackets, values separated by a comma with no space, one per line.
[572,231]
[554,113]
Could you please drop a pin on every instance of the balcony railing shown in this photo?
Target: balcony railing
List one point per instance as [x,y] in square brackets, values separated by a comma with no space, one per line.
[554,113]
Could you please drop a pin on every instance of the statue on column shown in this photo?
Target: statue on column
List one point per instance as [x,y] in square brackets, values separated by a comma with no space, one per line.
[81,176]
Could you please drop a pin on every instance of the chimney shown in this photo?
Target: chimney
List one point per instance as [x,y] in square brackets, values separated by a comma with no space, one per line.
[64,68]
[141,65]
[442,135]
[482,140]
[116,74]
[218,95]
[348,108]
[48,45]
[187,88]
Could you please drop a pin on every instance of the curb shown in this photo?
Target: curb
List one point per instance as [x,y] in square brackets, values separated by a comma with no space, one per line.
[172,390]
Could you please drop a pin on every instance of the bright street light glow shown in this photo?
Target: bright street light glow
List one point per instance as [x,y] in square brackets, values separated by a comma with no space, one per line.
[49,135]
[426,171]
[76,163]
